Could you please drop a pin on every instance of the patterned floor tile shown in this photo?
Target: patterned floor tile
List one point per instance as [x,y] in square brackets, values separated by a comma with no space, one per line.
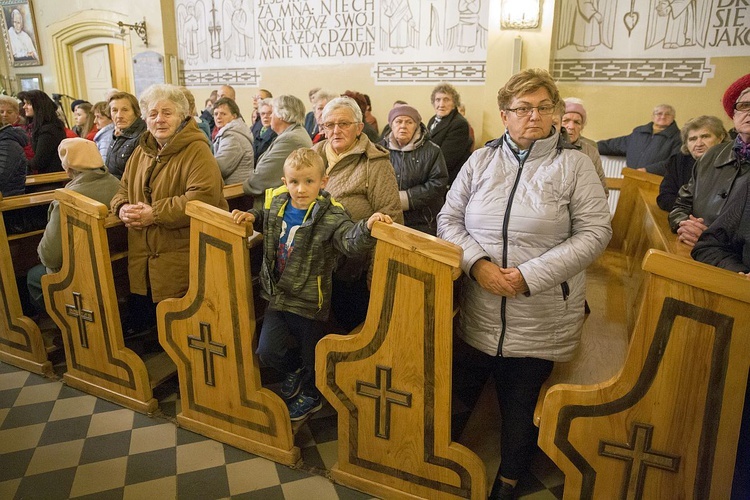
[310,487]
[3,414]
[13,380]
[110,422]
[38,394]
[165,487]
[65,430]
[21,438]
[105,447]
[349,494]
[21,416]
[113,494]
[8,397]
[251,475]
[73,407]
[50,486]
[232,455]
[311,458]
[99,476]
[151,466]
[196,456]
[203,484]
[8,488]
[55,457]
[287,474]
[14,465]
[272,493]
[104,406]
[328,453]
[185,436]
[155,437]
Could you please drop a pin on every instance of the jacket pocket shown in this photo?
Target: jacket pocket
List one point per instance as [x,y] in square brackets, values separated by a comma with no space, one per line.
[565,288]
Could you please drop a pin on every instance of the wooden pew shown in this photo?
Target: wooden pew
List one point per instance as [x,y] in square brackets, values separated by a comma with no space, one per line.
[391,382]
[667,425]
[46,182]
[81,300]
[21,342]
[210,335]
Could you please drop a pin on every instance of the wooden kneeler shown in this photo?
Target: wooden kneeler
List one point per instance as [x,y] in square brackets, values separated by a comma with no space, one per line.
[667,425]
[210,334]
[82,301]
[21,342]
[391,382]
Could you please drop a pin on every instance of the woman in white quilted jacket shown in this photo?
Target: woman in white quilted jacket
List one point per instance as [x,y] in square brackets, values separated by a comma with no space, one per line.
[530,215]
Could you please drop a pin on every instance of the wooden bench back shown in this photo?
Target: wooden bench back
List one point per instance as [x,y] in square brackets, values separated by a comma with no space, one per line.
[21,342]
[82,301]
[391,382]
[46,182]
[210,332]
[668,424]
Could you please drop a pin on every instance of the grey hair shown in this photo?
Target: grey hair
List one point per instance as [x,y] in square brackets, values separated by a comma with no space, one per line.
[343,102]
[6,99]
[712,123]
[667,107]
[266,102]
[326,95]
[289,108]
[164,92]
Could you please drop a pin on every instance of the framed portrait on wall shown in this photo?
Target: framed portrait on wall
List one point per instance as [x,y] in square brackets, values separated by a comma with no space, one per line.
[19,33]
[32,81]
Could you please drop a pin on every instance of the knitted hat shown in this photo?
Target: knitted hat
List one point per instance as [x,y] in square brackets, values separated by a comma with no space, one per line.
[76,103]
[79,154]
[404,110]
[733,92]
[575,107]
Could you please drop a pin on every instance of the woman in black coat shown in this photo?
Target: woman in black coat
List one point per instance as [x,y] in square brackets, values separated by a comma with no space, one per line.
[47,131]
[420,169]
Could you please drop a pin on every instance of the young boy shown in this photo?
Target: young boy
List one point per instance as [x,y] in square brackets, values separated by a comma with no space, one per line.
[305,231]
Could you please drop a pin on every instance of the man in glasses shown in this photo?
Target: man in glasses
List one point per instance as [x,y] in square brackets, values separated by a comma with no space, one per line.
[717,172]
[648,147]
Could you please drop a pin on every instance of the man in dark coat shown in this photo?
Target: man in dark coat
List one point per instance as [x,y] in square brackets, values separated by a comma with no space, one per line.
[448,129]
[648,147]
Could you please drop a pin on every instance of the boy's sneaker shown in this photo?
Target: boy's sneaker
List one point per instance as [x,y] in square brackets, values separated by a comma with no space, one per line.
[292,384]
[303,406]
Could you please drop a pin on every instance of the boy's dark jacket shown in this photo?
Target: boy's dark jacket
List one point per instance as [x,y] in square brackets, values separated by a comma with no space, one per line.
[304,288]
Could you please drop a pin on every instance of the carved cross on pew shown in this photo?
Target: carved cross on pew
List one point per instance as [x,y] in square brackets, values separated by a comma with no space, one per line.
[83,316]
[639,456]
[209,349]
[384,396]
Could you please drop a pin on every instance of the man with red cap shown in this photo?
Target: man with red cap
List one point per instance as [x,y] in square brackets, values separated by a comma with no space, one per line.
[702,199]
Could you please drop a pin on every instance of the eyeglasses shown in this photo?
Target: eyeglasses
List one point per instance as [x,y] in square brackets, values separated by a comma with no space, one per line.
[662,113]
[521,111]
[742,106]
[330,126]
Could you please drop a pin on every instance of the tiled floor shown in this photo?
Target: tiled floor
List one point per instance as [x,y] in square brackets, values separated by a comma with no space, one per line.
[58,442]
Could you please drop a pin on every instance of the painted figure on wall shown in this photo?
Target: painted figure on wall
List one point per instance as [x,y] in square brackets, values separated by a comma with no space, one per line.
[586,24]
[468,32]
[678,23]
[192,26]
[402,28]
[239,40]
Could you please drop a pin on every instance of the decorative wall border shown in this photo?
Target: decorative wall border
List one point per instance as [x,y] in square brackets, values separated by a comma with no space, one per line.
[203,78]
[657,71]
[467,72]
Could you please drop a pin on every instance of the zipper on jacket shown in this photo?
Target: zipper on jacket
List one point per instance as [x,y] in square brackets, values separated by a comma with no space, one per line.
[565,290]
[505,238]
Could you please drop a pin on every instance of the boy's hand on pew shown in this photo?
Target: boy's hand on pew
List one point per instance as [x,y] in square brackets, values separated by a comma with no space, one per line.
[690,230]
[136,216]
[491,278]
[377,216]
[239,216]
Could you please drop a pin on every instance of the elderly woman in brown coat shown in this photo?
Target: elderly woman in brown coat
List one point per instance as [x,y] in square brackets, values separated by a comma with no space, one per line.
[172,165]
[360,177]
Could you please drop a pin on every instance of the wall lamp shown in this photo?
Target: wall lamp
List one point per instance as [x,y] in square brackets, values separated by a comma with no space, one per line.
[139,28]
[520,14]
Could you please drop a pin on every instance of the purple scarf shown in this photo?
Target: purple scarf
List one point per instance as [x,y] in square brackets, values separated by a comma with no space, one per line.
[741,149]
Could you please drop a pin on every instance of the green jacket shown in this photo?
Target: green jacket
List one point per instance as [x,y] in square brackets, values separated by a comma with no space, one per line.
[304,288]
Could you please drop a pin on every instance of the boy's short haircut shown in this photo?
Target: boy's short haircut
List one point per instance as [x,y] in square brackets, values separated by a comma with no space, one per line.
[303,158]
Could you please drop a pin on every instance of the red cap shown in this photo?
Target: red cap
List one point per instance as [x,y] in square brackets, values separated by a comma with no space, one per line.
[733,92]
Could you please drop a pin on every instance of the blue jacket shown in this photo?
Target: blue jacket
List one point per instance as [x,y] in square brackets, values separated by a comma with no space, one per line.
[304,288]
[644,149]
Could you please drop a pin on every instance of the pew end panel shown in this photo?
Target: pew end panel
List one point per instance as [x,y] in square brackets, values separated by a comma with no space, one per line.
[21,341]
[81,299]
[391,382]
[210,333]
[668,425]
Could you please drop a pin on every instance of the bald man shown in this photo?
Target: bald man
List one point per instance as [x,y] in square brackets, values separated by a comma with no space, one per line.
[227,91]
